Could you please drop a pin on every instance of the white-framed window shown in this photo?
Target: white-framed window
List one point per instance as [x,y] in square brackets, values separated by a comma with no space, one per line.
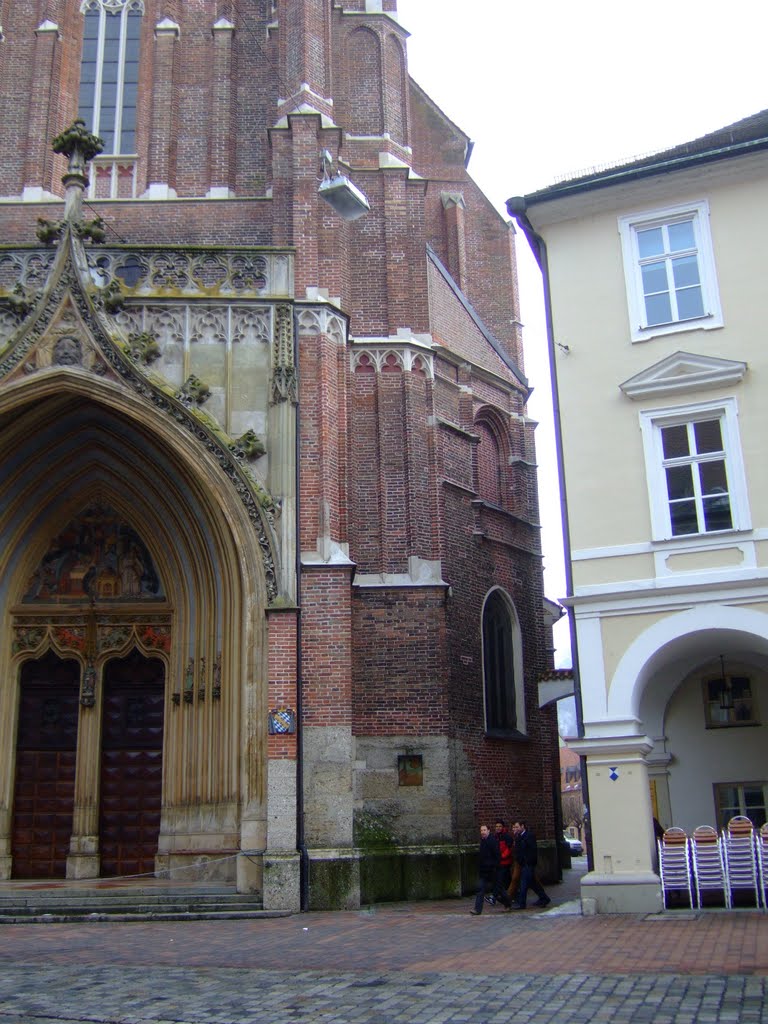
[734,798]
[109,71]
[670,273]
[502,667]
[696,480]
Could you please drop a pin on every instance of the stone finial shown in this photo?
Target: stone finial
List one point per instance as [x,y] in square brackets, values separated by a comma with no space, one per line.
[80,145]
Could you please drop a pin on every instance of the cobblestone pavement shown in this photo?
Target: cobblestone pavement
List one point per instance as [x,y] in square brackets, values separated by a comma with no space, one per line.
[425,963]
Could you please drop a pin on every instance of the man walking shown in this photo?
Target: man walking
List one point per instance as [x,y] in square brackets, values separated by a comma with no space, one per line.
[527,854]
[488,861]
[506,843]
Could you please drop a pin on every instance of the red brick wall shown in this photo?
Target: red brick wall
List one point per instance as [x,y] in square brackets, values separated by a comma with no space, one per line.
[282,676]
[399,662]
[326,633]
[395,474]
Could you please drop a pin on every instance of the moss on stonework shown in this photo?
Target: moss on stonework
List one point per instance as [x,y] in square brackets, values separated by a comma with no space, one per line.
[410,874]
[374,831]
[333,884]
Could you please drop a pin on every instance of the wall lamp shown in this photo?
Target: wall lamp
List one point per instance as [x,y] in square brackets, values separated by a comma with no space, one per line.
[337,190]
[726,693]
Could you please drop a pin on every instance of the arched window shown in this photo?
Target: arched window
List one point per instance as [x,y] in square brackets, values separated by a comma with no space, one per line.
[492,457]
[489,475]
[109,71]
[502,665]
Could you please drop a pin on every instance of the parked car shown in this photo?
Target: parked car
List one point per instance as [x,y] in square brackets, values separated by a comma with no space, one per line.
[575,844]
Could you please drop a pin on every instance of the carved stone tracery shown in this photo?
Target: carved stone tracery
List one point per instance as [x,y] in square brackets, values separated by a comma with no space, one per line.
[388,358]
[284,378]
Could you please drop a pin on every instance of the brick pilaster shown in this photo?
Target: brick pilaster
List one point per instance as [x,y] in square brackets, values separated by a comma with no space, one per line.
[39,157]
[305,52]
[221,109]
[282,661]
[162,125]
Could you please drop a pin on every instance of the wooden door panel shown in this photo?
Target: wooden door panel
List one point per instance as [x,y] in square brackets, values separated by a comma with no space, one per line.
[44,788]
[131,766]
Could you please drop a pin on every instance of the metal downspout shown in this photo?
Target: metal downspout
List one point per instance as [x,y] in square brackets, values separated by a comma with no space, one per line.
[517,208]
[301,845]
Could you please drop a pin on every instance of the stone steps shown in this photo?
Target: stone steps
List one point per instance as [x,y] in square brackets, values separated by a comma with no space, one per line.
[76,903]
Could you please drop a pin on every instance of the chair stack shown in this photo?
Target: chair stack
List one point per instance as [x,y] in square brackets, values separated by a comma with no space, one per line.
[731,863]
[675,864]
[741,864]
[761,848]
[708,863]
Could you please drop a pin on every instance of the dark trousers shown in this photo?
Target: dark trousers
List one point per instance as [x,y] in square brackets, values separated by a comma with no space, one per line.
[528,881]
[486,883]
[514,883]
[503,876]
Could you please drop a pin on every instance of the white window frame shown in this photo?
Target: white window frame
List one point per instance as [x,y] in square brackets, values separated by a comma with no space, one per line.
[651,422]
[629,226]
[719,787]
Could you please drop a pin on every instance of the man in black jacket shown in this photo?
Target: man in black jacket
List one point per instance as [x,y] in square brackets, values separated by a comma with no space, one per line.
[526,855]
[488,859]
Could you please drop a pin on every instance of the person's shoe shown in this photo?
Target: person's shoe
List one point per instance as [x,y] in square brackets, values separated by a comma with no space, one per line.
[490,899]
[475,913]
[543,902]
[517,906]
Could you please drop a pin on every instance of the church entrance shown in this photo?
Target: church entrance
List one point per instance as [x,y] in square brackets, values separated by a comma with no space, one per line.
[131,764]
[46,752]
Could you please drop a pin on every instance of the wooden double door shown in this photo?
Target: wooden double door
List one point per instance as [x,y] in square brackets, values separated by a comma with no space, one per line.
[130,769]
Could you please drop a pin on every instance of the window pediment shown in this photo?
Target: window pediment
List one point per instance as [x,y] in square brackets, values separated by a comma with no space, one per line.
[681,373]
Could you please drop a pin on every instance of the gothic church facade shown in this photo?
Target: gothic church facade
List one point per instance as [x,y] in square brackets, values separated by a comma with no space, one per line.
[271,601]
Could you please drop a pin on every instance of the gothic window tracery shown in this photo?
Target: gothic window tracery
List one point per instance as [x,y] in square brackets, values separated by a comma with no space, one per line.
[109,71]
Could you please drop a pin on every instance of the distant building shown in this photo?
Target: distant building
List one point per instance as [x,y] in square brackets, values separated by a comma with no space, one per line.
[655,270]
[271,593]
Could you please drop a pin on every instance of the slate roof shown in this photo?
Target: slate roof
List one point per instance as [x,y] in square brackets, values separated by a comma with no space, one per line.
[747,135]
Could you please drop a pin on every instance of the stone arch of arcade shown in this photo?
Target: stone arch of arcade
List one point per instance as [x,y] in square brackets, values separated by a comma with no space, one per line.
[652,667]
[69,443]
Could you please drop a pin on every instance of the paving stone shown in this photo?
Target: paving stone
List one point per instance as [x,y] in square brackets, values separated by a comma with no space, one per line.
[417,963]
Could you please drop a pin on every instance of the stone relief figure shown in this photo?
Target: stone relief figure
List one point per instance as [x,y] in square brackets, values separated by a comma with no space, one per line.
[67,352]
[131,573]
[96,556]
[88,693]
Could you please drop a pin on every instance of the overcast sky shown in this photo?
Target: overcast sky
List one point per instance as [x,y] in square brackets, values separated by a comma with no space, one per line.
[548,89]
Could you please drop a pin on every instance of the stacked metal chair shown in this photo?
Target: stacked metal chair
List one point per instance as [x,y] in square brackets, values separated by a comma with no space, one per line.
[675,864]
[708,864]
[761,852]
[741,864]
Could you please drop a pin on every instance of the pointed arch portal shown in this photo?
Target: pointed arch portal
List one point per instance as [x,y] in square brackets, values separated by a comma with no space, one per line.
[129,575]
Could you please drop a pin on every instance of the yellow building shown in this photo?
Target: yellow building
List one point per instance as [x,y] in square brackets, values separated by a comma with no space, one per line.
[654,270]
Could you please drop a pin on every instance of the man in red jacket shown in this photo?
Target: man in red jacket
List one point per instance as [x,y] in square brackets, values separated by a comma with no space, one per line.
[506,860]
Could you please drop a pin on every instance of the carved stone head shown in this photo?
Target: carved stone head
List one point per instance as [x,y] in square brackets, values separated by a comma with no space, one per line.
[67,352]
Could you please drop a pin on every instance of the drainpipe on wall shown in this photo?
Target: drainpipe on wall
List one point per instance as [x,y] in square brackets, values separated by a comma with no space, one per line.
[301,845]
[517,208]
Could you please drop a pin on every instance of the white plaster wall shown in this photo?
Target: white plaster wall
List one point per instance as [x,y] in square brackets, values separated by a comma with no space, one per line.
[702,757]
[605,472]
